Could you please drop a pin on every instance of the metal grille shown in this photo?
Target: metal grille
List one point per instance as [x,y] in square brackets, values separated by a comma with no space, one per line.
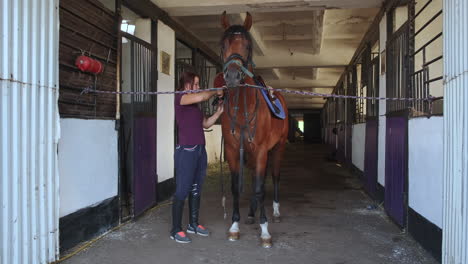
[397,66]
[427,58]
[351,89]
[141,59]
[182,65]
[207,72]
[372,107]
[361,90]
[340,106]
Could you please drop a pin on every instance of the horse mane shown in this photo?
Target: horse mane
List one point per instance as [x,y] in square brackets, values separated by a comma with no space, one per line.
[236,29]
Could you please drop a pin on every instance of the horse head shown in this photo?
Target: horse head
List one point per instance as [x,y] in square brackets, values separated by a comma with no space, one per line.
[236,50]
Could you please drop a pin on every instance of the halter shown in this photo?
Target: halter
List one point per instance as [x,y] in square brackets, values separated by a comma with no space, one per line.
[239,61]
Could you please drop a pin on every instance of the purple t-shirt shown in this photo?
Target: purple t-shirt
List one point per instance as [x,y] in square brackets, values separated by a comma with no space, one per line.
[189,119]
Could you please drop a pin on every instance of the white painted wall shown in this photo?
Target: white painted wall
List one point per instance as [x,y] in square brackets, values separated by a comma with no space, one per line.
[126,83]
[382,106]
[143,29]
[213,143]
[88,163]
[165,110]
[425,167]
[359,145]
[401,16]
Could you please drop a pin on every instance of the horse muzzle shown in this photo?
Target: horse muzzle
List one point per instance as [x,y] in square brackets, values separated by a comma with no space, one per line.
[233,76]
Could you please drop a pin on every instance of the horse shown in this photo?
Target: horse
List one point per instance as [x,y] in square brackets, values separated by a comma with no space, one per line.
[249,128]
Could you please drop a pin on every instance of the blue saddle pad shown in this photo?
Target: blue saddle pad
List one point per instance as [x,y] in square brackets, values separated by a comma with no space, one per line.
[275,105]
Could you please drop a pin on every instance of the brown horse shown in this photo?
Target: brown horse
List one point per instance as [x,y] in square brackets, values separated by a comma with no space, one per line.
[249,127]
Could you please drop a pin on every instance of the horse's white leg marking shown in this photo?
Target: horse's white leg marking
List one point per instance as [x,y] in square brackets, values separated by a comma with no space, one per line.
[265,233]
[234,227]
[276,212]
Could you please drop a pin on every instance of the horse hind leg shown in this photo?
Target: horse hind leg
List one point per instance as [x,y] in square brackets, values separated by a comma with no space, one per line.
[276,204]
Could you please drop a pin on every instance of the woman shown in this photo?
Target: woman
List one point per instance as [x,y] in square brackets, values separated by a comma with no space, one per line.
[190,154]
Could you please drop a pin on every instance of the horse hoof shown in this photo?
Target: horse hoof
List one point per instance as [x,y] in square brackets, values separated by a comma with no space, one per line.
[233,236]
[250,220]
[276,219]
[266,242]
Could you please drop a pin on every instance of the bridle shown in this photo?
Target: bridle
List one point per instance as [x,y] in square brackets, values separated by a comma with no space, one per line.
[249,127]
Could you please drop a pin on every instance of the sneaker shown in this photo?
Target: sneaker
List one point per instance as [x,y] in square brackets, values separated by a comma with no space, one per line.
[181,237]
[200,230]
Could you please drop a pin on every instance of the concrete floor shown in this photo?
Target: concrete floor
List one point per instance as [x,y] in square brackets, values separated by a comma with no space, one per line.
[324,220]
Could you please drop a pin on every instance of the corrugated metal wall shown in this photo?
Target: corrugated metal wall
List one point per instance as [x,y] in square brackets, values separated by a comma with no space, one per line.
[455,222]
[28,131]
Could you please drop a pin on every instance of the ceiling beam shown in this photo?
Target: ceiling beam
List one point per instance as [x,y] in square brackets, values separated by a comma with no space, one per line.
[274,22]
[331,87]
[210,7]
[305,99]
[232,9]
[303,106]
[298,111]
[298,104]
[276,73]
[301,67]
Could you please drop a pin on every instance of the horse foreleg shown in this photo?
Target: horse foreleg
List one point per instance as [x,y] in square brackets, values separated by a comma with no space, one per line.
[253,205]
[233,160]
[277,156]
[260,173]
[234,230]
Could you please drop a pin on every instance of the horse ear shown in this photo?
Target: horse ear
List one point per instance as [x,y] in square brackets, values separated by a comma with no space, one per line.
[225,21]
[248,21]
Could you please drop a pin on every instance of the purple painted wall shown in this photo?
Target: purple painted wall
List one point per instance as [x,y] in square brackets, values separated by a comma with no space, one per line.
[396,168]
[371,157]
[145,178]
[341,143]
[349,144]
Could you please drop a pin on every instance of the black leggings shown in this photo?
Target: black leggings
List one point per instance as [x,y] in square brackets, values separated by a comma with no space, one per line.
[190,163]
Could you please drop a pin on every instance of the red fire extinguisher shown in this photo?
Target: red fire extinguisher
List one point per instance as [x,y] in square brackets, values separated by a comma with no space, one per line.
[87,64]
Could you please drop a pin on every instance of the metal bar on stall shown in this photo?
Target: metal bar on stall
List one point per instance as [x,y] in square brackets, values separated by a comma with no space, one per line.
[428,23]
[420,11]
[427,44]
[433,61]
[435,79]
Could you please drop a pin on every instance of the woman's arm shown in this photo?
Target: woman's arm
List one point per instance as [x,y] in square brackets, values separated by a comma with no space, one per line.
[195,98]
[208,122]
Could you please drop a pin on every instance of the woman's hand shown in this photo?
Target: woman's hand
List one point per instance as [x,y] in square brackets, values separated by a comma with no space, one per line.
[220,92]
[220,109]
[208,122]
